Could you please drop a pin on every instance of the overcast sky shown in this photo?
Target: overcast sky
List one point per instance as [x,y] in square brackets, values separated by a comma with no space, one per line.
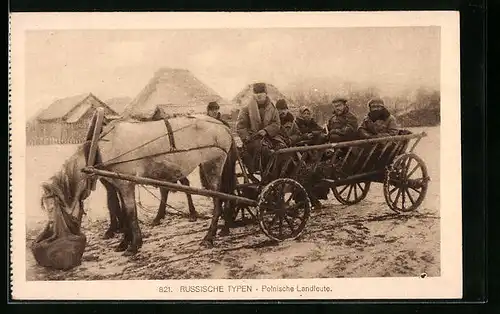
[120,63]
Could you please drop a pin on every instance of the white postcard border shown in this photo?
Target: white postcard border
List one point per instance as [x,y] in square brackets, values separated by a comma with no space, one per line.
[448,285]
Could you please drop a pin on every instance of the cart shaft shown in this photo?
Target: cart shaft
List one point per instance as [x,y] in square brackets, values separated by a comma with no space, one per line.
[169,185]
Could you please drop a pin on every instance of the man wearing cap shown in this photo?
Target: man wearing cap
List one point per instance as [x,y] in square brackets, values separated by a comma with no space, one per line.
[259,120]
[343,125]
[378,122]
[289,128]
[213,111]
[308,127]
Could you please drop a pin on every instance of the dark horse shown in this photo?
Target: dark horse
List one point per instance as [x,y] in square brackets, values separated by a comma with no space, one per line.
[144,149]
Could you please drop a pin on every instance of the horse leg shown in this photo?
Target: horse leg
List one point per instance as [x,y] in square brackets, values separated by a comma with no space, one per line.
[227,211]
[192,211]
[127,236]
[212,174]
[130,210]
[113,208]
[208,240]
[161,209]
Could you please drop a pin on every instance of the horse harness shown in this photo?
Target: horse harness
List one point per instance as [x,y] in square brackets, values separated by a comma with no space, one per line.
[170,134]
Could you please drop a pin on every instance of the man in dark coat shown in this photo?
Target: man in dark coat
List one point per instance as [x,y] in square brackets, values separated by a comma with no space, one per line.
[259,125]
[378,122]
[310,129]
[289,129]
[343,125]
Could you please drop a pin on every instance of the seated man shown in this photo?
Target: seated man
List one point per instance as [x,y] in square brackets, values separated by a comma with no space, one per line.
[289,129]
[258,126]
[379,122]
[311,130]
[343,125]
[213,111]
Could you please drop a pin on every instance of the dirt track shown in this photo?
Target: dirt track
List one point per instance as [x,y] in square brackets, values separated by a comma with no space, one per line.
[363,240]
[356,241]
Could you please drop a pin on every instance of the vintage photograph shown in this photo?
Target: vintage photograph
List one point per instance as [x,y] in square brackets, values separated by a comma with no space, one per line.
[234,153]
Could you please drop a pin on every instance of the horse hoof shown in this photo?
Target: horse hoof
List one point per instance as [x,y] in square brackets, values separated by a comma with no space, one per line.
[224,232]
[192,219]
[155,223]
[207,244]
[121,247]
[129,252]
[108,235]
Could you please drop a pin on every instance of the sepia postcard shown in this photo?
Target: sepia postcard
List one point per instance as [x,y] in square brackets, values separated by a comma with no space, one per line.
[235,156]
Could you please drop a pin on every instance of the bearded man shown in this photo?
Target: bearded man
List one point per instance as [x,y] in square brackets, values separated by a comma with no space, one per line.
[343,125]
[259,125]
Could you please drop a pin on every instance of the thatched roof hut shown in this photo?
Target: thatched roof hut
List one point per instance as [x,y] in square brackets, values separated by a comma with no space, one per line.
[66,120]
[177,91]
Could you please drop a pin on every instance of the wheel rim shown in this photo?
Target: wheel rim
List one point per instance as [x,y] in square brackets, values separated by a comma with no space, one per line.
[284,208]
[351,194]
[406,183]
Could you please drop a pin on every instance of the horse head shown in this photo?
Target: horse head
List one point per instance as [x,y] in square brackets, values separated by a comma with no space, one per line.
[61,243]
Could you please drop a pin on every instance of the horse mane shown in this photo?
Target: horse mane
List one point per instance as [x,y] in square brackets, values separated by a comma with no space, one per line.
[64,183]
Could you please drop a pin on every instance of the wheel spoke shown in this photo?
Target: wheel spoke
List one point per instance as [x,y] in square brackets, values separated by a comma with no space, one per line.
[290,198]
[418,191]
[355,192]
[397,198]
[342,191]
[403,198]
[349,194]
[393,189]
[417,166]
[410,197]
[290,224]
[281,226]
[362,189]
[407,165]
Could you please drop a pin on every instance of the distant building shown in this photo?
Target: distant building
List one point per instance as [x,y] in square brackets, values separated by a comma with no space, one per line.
[65,121]
[118,104]
[174,92]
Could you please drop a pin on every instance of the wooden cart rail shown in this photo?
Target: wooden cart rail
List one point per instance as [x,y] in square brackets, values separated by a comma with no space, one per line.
[396,138]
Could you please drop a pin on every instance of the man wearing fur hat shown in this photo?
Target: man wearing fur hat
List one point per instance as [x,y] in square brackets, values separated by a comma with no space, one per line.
[379,122]
[289,129]
[309,128]
[258,124]
[343,125]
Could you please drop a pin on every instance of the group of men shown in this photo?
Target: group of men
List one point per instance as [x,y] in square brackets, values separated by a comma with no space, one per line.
[262,125]
[259,118]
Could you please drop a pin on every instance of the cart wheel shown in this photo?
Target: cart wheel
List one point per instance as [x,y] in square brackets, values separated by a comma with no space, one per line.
[351,194]
[284,208]
[406,183]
